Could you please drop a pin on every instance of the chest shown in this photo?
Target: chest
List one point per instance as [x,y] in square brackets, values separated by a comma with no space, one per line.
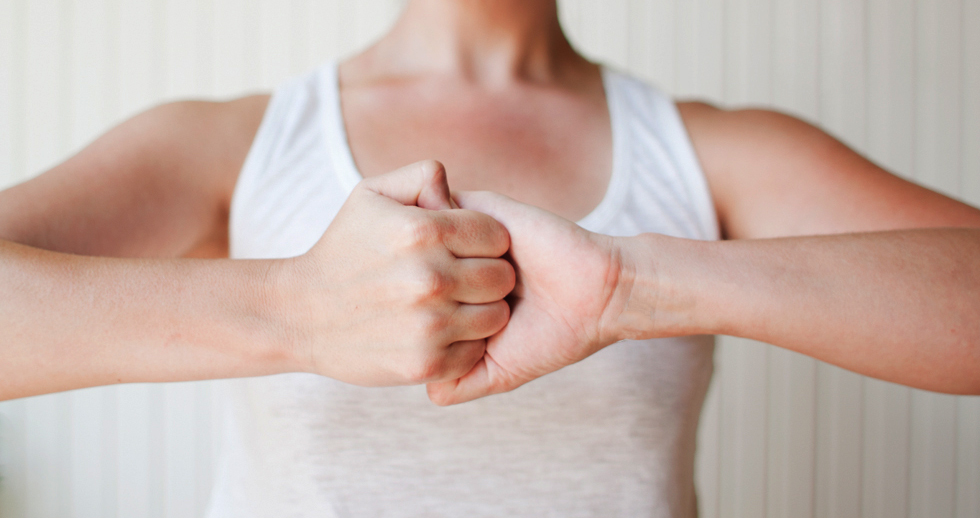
[552,149]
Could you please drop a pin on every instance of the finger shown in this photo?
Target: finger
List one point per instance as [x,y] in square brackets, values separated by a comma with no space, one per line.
[484,379]
[472,385]
[517,217]
[422,184]
[477,321]
[520,289]
[435,195]
[481,281]
[469,233]
[460,358]
[501,208]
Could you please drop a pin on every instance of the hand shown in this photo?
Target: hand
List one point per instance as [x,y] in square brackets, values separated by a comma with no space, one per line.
[567,298]
[394,293]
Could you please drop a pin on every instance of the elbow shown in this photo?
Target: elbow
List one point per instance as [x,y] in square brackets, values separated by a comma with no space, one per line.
[972,385]
[952,387]
[954,374]
[966,388]
[965,381]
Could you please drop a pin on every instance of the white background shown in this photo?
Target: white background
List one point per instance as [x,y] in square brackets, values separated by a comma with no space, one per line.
[782,435]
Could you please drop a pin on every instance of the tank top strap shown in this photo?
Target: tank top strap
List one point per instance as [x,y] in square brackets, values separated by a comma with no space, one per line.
[659,145]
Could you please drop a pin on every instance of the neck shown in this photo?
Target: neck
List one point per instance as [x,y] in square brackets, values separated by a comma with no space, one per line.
[487,41]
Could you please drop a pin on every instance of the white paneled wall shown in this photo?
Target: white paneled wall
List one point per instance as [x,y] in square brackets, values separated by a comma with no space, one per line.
[782,435]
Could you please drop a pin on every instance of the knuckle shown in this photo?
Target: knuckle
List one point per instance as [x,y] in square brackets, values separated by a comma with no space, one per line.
[432,169]
[425,286]
[435,284]
[423,368]
[427,330]
[420,230]
[431,326]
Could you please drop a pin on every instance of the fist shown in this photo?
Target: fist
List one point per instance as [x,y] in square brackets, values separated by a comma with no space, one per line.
[565,307]
[402,288]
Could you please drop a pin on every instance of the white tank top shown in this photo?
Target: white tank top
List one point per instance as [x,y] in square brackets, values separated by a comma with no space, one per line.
[613,435]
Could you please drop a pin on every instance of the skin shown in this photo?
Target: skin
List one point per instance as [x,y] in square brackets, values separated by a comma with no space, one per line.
[411,302]
[500,94]
[897,305]
[500,97]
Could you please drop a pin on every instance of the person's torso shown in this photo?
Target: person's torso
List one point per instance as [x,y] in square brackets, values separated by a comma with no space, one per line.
[613,435]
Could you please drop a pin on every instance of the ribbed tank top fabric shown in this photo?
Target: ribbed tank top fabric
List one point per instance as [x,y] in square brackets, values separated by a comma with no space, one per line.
[613,435]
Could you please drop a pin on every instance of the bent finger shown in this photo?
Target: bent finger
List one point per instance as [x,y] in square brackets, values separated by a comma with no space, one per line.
[460,358]
[469,233]
[421,184]
[486,378]
[478,321]
[481,281]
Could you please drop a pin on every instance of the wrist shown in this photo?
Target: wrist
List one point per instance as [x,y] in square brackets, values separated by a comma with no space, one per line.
[269,314]
[663,290]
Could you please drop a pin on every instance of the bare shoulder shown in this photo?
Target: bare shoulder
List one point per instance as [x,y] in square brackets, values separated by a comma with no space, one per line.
[722,135]
[181,122]
[772,174]
[204,138]
[156,185]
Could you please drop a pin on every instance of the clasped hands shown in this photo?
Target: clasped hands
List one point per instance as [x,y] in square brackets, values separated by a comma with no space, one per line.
[407,287]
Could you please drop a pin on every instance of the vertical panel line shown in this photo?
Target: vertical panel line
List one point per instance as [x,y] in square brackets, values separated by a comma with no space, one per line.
[913,173]
[964,67]
[18,156]
[960,187]
[819,114]
[64,136]
[67,83]
[956,429]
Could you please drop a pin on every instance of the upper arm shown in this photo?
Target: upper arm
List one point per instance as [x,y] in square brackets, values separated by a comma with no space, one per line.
[158,185]
[772,175]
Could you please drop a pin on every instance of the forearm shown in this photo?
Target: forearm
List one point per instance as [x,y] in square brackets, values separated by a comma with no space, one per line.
[70,321]
[900,306]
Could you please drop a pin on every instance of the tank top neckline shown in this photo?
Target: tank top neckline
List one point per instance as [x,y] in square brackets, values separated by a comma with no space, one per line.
[342,158]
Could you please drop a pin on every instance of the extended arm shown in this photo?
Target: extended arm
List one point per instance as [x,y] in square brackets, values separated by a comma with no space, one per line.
[71,321]
[900,305]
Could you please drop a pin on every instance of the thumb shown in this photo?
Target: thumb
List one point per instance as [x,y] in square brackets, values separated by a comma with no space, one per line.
[508,211]
[422,184]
